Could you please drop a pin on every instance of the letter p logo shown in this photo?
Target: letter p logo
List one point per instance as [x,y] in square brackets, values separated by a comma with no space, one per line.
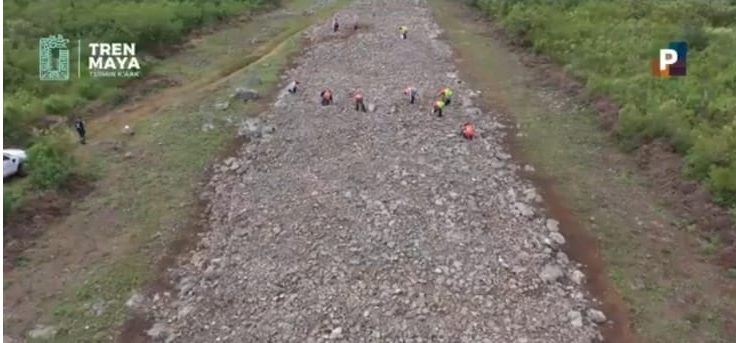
[671,61]
[667,57]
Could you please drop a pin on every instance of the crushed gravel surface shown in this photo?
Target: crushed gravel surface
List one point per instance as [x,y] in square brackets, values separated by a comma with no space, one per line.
[386,226]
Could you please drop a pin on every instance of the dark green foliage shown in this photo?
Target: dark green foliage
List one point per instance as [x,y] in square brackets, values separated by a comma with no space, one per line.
[611,43]
[153,25]
[50,162]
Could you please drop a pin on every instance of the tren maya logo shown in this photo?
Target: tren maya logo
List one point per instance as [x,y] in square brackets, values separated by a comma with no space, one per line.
[671,61]
[103,59]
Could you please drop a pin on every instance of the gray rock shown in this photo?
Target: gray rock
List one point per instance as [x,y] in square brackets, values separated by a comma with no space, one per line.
[336,333]
[551,273]
[222,106]
[250,128]
[577,277]
[98,308]
[159,331]
[371,107]
[136,301]
[557,239]
[43,332]
[522,210]
[246,94]
[576,318]
[553,225]
[596,316]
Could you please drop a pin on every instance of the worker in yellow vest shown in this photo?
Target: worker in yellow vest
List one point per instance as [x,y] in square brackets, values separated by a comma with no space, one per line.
[446,95]
[404,31]
[437,107]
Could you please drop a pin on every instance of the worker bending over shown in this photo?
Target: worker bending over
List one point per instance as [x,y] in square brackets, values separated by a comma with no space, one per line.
[292,86]
[359,104]
[446,95]
[437,107]
[404,30]
[326,97]
[412,93]
[468,131]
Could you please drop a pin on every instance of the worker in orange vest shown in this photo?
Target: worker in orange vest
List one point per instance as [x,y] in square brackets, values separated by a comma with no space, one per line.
[359,104]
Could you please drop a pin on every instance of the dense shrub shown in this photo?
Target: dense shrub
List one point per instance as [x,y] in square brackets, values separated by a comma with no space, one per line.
[152,25]
[50,162]
[611,43]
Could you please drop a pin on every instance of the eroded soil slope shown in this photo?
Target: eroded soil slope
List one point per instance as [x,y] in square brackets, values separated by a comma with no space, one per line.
[376,227]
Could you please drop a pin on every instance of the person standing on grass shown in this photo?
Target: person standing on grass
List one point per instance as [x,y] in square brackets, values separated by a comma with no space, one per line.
[81,131]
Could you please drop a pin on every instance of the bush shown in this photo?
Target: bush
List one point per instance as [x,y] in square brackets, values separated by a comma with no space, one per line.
[610,43]
[153,25]
[50,161]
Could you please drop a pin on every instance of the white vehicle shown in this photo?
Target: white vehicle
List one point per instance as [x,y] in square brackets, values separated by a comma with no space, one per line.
[13,160]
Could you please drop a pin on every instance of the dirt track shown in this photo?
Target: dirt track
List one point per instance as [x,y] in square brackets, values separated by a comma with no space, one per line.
[376,227]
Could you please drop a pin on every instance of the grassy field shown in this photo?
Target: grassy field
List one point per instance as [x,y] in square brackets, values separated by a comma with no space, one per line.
[611,43]
[654,276]
[82,270]
[154,27]
[31,104]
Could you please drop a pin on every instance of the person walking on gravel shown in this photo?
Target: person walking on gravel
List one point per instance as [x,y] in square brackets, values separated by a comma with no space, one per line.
[437,107]
[412,93]
[326,97]
[292,87]
[404,31]
[359,104]
[446,95]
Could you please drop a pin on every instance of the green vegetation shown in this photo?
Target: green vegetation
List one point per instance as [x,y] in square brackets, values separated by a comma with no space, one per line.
[31,104]
[610,45]
[652,266]
[151,194]
[153,25]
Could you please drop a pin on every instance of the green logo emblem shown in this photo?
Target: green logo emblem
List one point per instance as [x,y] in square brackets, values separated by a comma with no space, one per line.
[49,68]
